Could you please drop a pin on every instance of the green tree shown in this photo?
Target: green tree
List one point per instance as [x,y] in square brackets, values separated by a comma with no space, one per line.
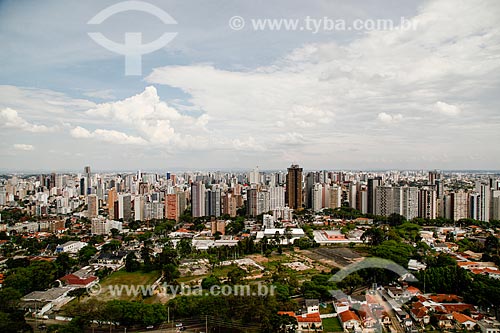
[78,293]
[235,276]
[131,263]
[185,247]
[170,272]
[85,254]
[64,264]
[209,281]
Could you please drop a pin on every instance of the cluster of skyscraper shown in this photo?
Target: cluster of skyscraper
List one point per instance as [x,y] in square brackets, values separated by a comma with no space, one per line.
[146,196]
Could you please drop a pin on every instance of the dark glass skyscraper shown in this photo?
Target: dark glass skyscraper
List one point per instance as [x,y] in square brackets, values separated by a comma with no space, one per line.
[294,187]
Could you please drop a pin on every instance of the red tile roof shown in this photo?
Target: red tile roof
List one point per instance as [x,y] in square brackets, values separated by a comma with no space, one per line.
[348,315]
[78,281]
[309,318]
[461,318]
[460,307]
[306,318]
[445,298]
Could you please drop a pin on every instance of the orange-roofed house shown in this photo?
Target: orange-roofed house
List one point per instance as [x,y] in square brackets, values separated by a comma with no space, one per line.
[413,291]
[309,322]
[73,280]
[350,320]
[464,320]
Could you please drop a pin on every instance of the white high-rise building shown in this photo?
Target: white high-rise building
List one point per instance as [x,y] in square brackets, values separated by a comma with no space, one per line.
[335,196]
[124,206]
[277,197]
[495,205]
[317,197]
[410,202]
[483,207]
[427,203]
[254,176]
[198,199]
[353,192]
[139,208]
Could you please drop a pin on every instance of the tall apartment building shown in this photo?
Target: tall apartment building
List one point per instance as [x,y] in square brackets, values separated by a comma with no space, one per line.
[459,205]
[310,180]
[257,202]
[172,207]
[92,206]
[124,207]
[294,187]
[229,204]
[473,206]
[388,200]
[362,200]
[335,192]
[213,202]
[353,194]
[277,197]
[373,183]
[410,202]
[198,199]
[317,197]
[112,198]
[495,205]
[252,202]
[427,203]
[483,204]
[154,210]
[139,208]
[88,180]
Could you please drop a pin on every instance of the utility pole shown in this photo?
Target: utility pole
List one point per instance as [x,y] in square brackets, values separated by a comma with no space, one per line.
[206,324]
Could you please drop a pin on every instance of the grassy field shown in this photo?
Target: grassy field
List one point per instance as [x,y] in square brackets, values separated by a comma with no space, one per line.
[123,277]
[331,325]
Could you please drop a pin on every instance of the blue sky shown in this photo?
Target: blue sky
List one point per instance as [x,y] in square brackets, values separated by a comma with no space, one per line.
[219,98]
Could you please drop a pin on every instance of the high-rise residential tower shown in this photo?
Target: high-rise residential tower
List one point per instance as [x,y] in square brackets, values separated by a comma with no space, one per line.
[294,187]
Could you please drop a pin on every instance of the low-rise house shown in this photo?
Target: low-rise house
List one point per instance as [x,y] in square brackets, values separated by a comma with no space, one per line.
[70,247]
[444,320]
[489,326]
[309,322]
[312,306]
[112,258]
[341,306]
[350,320]
[72,280]
[415,265]
[368,320]
[398,293]
[420,313]
[464,321]
[40,302]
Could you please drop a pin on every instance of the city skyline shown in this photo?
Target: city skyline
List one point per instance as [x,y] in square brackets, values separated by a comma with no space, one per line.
[219,97]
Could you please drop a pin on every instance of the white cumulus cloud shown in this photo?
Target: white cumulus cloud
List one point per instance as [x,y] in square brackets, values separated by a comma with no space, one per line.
[24,147]
[105,135]
[10,118]
[447,109]
[388,118]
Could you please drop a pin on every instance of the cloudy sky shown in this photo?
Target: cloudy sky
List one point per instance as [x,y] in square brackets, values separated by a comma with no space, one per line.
[423,95]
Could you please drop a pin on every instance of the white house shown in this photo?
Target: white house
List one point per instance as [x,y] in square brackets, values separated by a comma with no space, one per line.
[70,247]
[350,320]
